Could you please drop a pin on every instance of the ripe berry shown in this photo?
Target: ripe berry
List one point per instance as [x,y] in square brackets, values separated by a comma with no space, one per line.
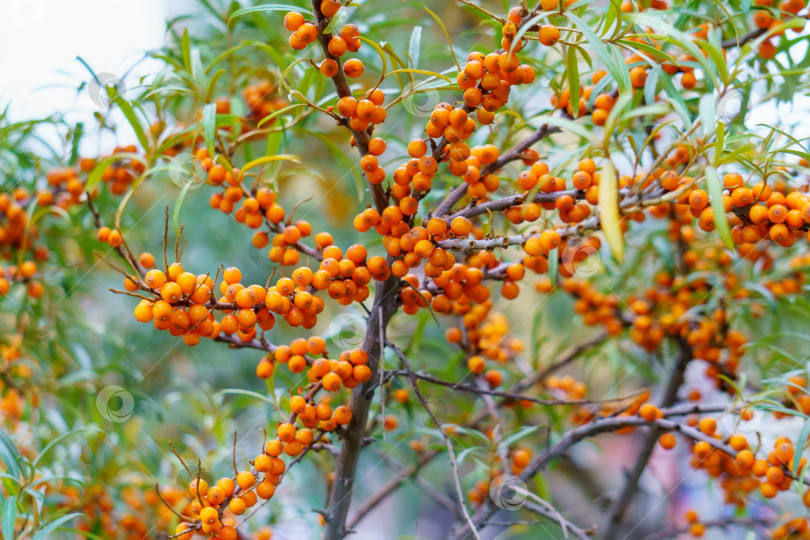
[293,20]
[237,506]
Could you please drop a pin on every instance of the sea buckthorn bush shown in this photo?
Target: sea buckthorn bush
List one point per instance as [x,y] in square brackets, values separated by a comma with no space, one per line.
[520,268]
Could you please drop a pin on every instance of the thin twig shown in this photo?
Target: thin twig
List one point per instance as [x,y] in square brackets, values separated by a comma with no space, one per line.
[181,460]
[451,454]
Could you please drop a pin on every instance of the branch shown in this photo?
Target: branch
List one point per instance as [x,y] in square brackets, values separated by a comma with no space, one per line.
[555,515]
[508,202]
[734,42]
[619,506]
[566,358]
[236,343]
[383,308]
[361,138]
[508,396]
[425,486]
[394,483]
[458,192]
[603,425]
[749,523]
[448,444]
[467,244]
[391,486]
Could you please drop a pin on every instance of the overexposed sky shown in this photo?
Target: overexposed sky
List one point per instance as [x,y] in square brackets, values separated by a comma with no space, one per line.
[41,39]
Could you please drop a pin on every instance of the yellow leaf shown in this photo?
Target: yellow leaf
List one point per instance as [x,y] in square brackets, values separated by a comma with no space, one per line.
[609,211]
[268,159]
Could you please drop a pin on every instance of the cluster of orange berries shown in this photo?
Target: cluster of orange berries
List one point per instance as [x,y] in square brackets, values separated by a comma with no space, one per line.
[696,528]
[349,370]
[459,290]
[119,174]
[25,273]
[793,282]
[760,211]
[321,416]
[213,509]
[602,104]
[566,386]
[518,461]
[795,396]
[19,233]
[755,212]
[741,471]
[346,40]
[486,81]
[585,182]
[487,336]
[791,528]
[594,306]
[262,99]
[769,19]
[360,115]
[142,501]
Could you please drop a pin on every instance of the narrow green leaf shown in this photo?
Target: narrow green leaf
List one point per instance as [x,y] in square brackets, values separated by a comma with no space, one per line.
[185,49]
[565,124]
[716,199]
[9,454]
[134,121]
[610,58]
[239,391]
[268,159]
[9,515]
[414,45]
[444,29]
[59,439]
[267,7]
[573,78]
[279,112]
[554,266]
[337,22]
[209,119]
[178,203]
[98,169]
[43,533]
[708,115]
[800,442]
[717,58]
[720,142]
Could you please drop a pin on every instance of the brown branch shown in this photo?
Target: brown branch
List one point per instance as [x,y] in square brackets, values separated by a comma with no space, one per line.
[508,202]
[458,192]
[236,343]
[620,505]
[734,42]
[383,308]
[139,270]
[566,358]
[565,525]
[508,396]
[394,483]
[607,425]
[466,244]
[361,138]
[378,497]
